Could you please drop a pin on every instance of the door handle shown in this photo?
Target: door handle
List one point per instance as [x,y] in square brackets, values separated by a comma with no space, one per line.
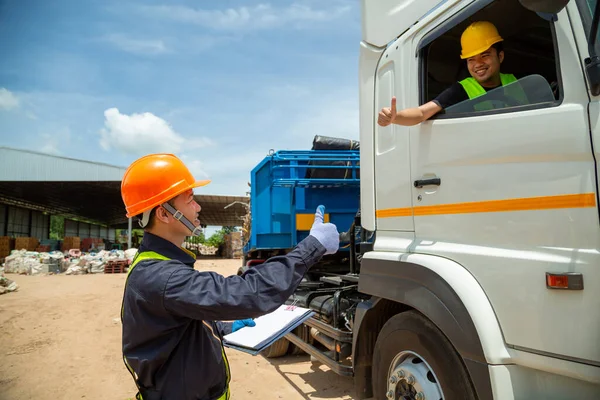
[419,183]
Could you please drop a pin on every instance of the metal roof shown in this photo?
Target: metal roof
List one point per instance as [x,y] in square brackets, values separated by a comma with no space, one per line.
[87,191]
[26,165]
[214,212]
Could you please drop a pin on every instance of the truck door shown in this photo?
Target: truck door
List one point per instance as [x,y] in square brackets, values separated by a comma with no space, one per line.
[393,199]
[386,148]
[509,192]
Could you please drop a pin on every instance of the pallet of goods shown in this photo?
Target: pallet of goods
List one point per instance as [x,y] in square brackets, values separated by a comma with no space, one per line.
[116,266]
[6,245]
[70,242]
[27,243]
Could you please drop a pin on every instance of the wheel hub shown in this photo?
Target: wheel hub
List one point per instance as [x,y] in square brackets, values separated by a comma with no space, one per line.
[411,378]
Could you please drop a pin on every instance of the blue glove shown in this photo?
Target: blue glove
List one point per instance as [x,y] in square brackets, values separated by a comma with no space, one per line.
[239,324]
[327,234]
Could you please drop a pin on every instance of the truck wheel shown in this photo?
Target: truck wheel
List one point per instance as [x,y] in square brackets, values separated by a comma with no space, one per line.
[303,333]
[414,360]
[277,349]
[241,270]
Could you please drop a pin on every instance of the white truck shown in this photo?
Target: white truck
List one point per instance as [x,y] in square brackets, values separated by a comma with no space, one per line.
[482,276]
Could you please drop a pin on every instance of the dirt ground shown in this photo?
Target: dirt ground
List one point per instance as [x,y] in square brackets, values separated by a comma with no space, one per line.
[61,339]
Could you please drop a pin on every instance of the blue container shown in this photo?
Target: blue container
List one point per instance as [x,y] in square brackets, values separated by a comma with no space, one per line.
[287,187]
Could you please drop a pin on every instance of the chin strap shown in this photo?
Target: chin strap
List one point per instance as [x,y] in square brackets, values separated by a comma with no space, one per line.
[196,230]
[145,218]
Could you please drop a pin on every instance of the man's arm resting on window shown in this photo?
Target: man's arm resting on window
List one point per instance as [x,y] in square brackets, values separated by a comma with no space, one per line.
[416,115]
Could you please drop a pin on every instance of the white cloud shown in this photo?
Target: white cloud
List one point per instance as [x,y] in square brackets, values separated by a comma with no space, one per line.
[137,46]
[50,148]
[145,133]
[138,133]
[8,100]
[196,166]
[261,16]
[51,143]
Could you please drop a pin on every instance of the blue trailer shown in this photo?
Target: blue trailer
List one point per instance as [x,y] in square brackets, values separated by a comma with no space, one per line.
[287,187]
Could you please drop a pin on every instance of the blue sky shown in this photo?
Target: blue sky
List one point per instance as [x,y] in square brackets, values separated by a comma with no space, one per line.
[218,83]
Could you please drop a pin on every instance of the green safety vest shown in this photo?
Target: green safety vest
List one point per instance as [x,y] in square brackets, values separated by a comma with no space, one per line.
[474,90]
[150,255]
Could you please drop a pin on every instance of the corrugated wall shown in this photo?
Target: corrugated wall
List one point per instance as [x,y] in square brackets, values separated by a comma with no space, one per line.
[3,220]
[22,222]
[40,225]
[18,222]
[71,228]
[85,230]
[94,231]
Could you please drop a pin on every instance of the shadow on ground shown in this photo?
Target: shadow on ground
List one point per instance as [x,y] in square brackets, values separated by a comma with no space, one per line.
[324,382]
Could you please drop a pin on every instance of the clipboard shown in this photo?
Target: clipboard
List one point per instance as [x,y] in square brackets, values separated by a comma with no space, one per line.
[269,328]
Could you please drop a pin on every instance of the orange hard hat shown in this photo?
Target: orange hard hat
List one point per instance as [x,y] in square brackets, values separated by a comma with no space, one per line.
[153,180]
[477,38]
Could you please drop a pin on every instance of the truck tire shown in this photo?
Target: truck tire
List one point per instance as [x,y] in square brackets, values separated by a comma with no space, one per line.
[303,333]
[413,356]
[277,349]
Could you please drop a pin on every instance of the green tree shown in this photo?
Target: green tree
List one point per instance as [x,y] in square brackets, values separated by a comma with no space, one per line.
[228,229]
[200,239]
[57,227]
[216,239]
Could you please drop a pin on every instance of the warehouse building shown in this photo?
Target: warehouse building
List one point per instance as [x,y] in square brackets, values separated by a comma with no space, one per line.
[34,186]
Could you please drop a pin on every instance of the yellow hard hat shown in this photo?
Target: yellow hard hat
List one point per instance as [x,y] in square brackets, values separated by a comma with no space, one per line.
[478,37]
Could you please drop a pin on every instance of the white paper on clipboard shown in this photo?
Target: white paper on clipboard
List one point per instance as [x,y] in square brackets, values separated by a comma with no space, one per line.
[268,327]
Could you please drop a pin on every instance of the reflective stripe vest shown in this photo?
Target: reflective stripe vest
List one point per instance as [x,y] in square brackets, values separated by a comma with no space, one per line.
[474,90]
[151,255]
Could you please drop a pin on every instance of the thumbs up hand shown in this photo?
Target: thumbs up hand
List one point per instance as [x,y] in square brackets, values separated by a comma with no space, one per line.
[326,233]
[387,115]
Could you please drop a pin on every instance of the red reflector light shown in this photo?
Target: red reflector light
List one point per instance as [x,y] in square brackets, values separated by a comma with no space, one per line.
[557,281]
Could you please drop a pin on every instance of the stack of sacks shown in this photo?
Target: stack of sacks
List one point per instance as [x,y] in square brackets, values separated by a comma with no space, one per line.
[130,254]
[51,262]
[94,262]
[23,262]
[7,285]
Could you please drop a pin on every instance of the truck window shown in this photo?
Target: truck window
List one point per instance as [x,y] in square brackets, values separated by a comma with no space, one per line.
[530,90]
[530,58]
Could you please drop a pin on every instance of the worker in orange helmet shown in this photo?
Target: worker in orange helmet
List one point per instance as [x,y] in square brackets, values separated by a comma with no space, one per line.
[483,51]
[172,314]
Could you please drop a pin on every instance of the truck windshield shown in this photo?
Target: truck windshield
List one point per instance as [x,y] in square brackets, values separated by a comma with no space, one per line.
[532,89]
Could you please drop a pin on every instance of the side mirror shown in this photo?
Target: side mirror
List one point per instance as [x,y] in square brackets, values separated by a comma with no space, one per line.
[544,6]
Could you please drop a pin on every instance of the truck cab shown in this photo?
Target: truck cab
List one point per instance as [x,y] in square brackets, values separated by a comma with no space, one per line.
[471,269]
[485,269]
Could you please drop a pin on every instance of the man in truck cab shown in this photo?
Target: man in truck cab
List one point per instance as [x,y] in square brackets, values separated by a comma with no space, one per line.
[172,314]
[482,49]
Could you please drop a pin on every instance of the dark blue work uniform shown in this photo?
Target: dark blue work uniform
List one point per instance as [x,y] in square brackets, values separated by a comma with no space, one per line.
[171,315]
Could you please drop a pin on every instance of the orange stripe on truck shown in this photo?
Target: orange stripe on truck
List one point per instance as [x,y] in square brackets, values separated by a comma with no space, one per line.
[522,204]
[394,212]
